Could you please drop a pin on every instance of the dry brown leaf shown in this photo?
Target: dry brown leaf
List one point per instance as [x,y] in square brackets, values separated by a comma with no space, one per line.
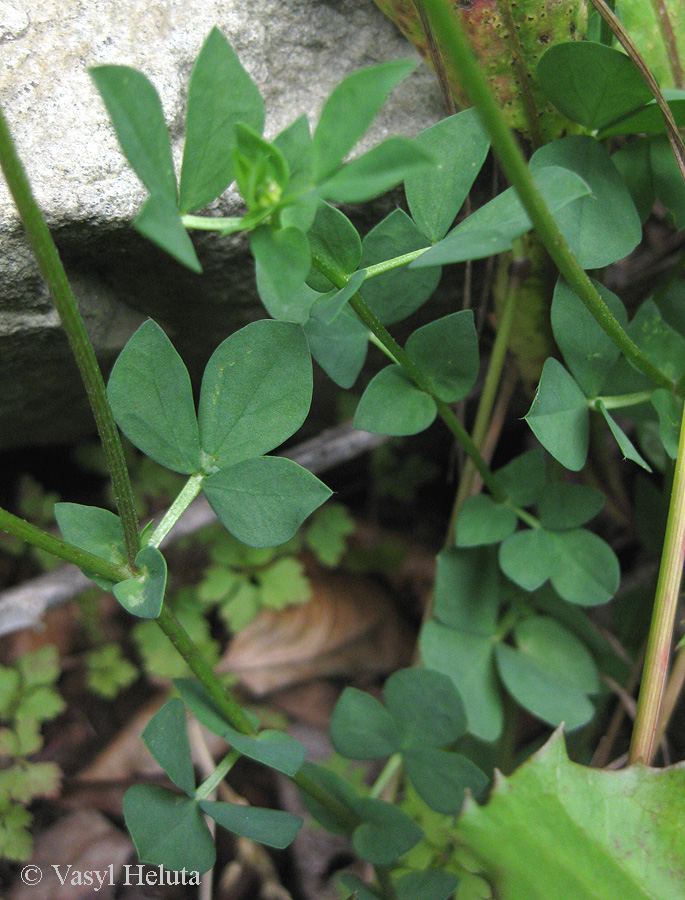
[86,841]
[349,628]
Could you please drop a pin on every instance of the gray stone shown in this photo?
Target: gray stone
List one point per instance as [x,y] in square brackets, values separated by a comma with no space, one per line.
[296,50]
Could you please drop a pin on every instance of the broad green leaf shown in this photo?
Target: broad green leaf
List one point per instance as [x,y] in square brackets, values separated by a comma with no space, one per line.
[97,530]
[562,653]
[152,400]
[655,337]
[467,590]
[484,521]
[626,446]
[396,294]
[392,404]
[467,658]
[283,583]
[24,781]
[592,84]
[625,826]
[426,706]
[41,667]
[635,167]
[349,111]
[495,226]
[328,307]
[385,834]
[334,238]
[376,172]
[168,829]
[524,477]
[166,737]
[642,21]
[447,351]
[256,392]
[359,890]
[264,501]
[326,535]
[668,182]
[337,786]
[143,595]
[272,827]
[587,349]
[160,222]
[431,884]
[136,112]
[282,261]
[603,227]
[275,749]
[441,779]
[527,557]
[670,410]
[295,143]
[340,347]
[362,728]
[564,505]
[221,93]
[650,119]
[436,195]
[559,416]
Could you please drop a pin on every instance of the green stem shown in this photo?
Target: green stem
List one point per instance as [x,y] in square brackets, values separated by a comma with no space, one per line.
[82,558]
[454,45]
[389,264]
[52,270]
[210,784]
[526,517]
[390,770]
[655,670]
[619,401]
[385,882]
[212,223]
[189,492]
[420,379]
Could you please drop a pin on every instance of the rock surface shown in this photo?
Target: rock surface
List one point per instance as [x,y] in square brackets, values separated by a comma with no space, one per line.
[296,50]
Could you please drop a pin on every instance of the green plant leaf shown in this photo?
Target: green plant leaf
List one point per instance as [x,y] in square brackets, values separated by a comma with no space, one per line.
[339,347]
[261,171]
[282,261]
[467,590]
[108,671]
[668,182]
[333,237]
[168,829]
[271,748]
[431,884]
[386,832]
[328,307]
[484,521]
[524,477]
[550,672]
[160,222]
[349,111]
[517,835]
[337,786]
[635,167]
[136,112]
[166,737]
[645,24]
[221,93]
[587,349]
[96,530]
[661,343]
[559,416]
[143,594]
[592,84]
[360,890]
[441,779]
[376,172]
[527,557]
[283,583]
[396,294]
[152,400]
[495,226]
[436,194]
[40,667]
[16,842]
[603,227]
[649,119]
[272,827]
[564,505]
[326,534]
[670,411]
[24,781]
[627,447]
[362,728]
[447,351]
[264,501]
[426,706]
[256,392]
[392,404]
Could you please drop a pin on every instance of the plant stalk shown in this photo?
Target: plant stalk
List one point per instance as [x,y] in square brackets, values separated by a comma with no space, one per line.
[450,34]
[655,670]
[186,496]
[52,270]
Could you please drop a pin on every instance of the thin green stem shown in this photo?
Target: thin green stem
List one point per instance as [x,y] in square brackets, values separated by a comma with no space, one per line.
[526,517]
[389,264]
[389,771]
[619,401]
[59,548]
[454,45]
[381,346]
[655,670]
[212,223]
[367,316]
[189,492]
[52,270]
[212,782]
